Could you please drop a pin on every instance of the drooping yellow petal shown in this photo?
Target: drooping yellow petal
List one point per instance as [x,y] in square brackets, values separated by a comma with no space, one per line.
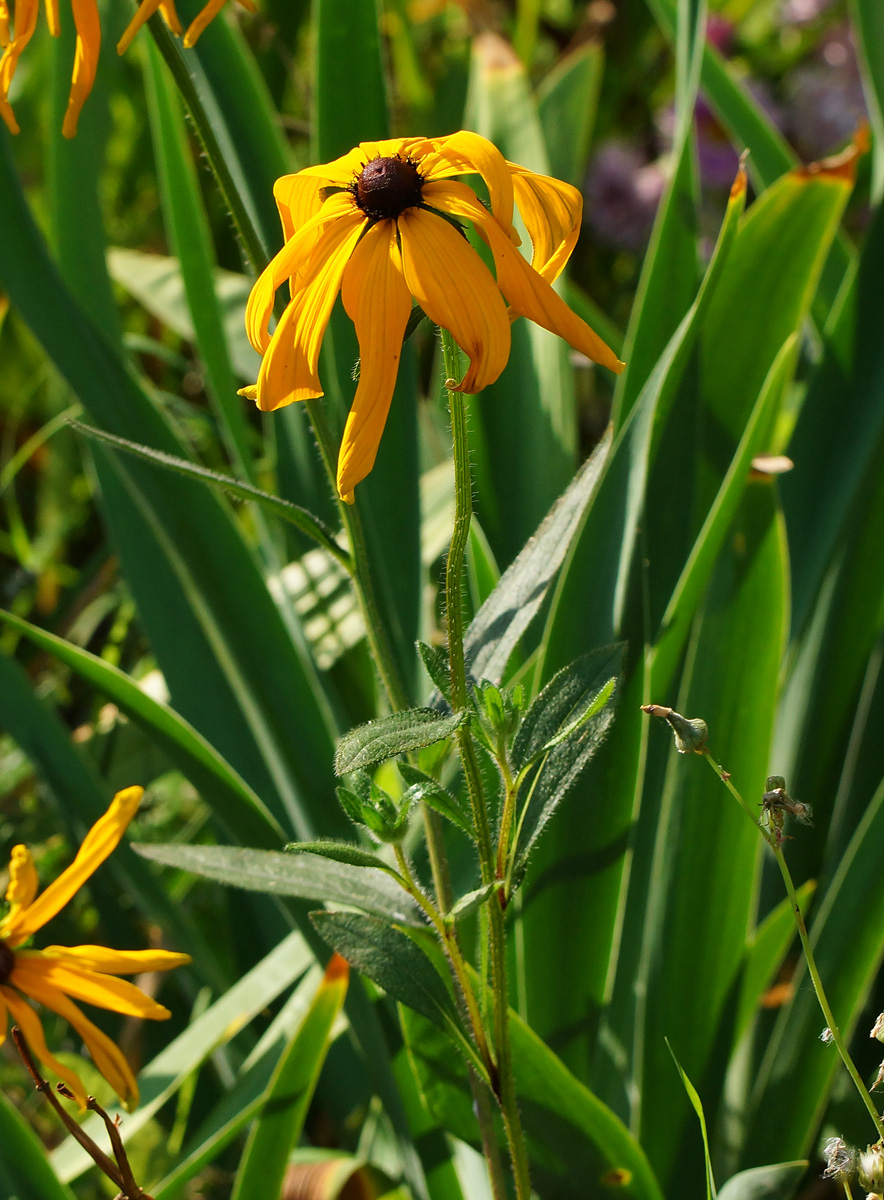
[23,884]
[527,292]
[288,370]
[52,17]
[88,26]
[25,23]
[298,199]
[552,211]
[466,151]
[4,24]
[35,969]
[107,1056]
[145,11]
[8,116]
[98,843]
[25,1017]
[119,962]
[170,15]
[456,290]
[378,303]
[289,263]
[201,20]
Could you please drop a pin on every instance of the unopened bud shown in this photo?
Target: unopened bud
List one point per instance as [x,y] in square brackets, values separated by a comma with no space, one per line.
[690,734]
[870,1169]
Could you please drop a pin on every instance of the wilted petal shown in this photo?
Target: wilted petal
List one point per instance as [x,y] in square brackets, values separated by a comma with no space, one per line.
[466,151]
[379,304]
[291,261]
[457,291]
[28,1021]
[35,969]
[107,1056]
[552,211]
[88,26]
[527,292]
[98,843]
[119,962]
[288,370]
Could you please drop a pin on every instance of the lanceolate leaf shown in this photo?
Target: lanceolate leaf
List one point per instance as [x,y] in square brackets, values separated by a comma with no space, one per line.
[396,734]
[342,852]
[391,960]
[304,875]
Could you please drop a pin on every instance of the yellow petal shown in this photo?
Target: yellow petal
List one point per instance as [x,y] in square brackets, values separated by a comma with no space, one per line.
[8,116]
[23,883]
[457,291]
[145,11]
[201,20]
[466,151]
[170,16]
[25,24]
[98,843]
[35,970]
[528,293]
[342,171]
[4,1020]
[52,17]
[88,46]
[119,962]
[108,1057]
[288,372]
[289,263]
[28,1021]
[552,211]
[298,199]
[4,23]
[379,304]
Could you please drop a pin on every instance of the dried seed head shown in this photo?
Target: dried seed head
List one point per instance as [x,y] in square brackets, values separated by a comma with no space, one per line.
[878,1028]
[827,1037]
[840,1159]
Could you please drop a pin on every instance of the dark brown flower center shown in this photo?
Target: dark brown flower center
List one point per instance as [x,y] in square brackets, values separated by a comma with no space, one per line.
[385,187]
[7,962]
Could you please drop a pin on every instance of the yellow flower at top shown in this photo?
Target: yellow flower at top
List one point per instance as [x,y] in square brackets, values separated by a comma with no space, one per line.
[383,225]
[23,15]
[57,976]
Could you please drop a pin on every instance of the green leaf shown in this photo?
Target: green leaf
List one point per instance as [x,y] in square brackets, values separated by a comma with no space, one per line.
[422,788]
[161,1077]
[567,100]
[391,960]
[348,63]
[435,662]
[24,1169]
[398,733]
[496,629]
[471,901]
[303,520]
[233,801]
[766,955]
[343,852]
[307,876]
[263,1165]
[572,696]
[765,1183]
[697,1105]
[572,1137]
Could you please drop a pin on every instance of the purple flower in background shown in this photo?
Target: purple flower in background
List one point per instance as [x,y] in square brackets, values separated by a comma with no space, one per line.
[720,33]
[623,189]
[824,96]
[803,12]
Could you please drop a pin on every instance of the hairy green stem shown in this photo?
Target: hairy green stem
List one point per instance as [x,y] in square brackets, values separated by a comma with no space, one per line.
[504,1085]
[773,841]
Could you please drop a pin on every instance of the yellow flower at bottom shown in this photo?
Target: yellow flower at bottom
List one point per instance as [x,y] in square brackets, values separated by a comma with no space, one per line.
[384,225]
[57,976]
[88,46]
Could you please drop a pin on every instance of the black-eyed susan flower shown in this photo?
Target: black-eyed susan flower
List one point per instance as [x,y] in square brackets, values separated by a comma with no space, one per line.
[58,976]
[383,225]
[23,16]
